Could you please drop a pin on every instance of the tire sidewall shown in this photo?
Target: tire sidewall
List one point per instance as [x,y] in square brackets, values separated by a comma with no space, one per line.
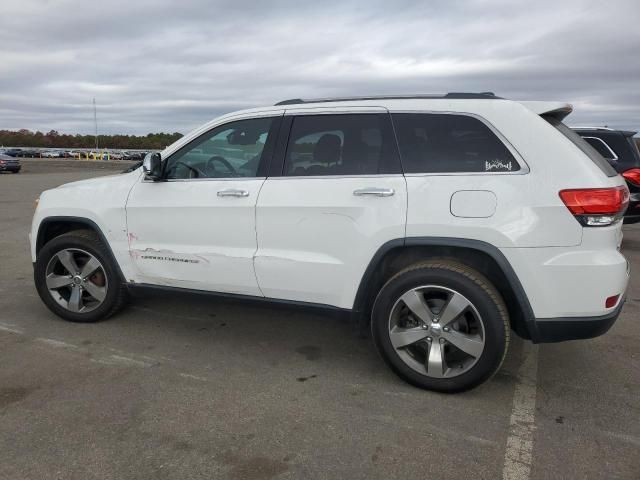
[91,246]
[495,333]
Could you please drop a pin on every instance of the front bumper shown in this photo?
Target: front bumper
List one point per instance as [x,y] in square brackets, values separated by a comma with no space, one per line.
[551,330]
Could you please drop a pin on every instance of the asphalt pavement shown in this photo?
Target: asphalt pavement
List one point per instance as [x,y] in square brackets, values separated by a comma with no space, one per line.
[187,386]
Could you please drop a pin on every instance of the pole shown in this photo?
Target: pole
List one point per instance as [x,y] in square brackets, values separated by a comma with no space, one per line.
[95,121]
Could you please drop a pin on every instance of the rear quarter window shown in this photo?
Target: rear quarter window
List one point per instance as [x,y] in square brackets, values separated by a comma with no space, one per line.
[447,143]
[579,142]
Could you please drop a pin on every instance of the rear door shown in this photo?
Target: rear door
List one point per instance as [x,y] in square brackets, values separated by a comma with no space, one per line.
[336,196]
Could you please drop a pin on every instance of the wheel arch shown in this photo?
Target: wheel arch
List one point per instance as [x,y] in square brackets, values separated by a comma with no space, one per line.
[52,227]
[397,254]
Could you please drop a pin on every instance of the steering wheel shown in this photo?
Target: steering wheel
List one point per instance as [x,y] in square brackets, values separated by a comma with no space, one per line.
[199,173]
[223,161]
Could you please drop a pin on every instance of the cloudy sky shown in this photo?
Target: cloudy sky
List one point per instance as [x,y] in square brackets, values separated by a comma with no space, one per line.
[169,65]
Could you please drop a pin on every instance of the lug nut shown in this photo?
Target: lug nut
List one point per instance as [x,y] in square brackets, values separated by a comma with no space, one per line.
[446,329]
[428,339]
[442,340]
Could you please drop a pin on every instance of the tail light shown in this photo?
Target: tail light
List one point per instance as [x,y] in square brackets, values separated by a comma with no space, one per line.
[632,176]
[596,207]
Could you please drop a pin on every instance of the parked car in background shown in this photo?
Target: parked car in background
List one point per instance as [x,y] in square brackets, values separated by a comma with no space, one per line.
[50,154]
[9,164]
[436,218]
[29,153]
[12,152]
[137,155]
[620,149]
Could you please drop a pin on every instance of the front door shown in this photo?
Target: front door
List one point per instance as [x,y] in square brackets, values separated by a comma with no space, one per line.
[197,229]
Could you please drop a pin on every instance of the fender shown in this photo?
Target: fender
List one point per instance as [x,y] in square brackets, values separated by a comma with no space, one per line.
[90,224]
[528,330]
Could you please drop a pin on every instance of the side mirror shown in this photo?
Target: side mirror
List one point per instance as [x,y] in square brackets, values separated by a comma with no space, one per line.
[152,166]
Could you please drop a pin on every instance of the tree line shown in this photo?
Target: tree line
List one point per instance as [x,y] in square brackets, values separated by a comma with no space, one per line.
[53,139]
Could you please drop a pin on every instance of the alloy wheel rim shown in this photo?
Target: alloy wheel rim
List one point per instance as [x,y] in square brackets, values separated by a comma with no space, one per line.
[76,280]
[436,331]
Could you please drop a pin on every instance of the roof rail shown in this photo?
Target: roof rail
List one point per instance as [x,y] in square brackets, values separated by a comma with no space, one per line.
[451,95]
[593,128]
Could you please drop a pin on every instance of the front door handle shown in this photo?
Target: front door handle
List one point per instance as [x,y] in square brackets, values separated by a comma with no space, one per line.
[232,192]
[375,192]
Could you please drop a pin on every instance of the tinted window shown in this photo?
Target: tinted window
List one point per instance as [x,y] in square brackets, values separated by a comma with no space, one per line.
[231,150]
[601,147]
[587,149]
[436,143]
[360,144]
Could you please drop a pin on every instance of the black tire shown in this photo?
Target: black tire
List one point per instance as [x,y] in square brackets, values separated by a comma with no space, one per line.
[87,240]
[471,284]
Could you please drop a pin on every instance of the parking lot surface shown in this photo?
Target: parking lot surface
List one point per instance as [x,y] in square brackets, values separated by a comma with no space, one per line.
[188,387]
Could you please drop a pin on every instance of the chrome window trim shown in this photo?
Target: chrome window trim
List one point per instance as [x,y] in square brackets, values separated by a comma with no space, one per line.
[524,166]
[208,179]
[614,157]
[334,177]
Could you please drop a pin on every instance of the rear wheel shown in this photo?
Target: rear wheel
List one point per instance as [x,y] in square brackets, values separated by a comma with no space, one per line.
[441,325]
[77,279]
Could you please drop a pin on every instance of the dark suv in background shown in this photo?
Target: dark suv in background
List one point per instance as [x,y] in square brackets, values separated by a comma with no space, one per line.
[621,151]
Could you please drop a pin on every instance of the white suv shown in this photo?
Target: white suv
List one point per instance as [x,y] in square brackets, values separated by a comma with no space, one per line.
[446,221]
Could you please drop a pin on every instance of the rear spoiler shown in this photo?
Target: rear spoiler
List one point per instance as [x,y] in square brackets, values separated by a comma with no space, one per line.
[556,110]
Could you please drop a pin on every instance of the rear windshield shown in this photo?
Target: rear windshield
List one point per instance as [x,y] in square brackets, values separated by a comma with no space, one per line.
[587,149]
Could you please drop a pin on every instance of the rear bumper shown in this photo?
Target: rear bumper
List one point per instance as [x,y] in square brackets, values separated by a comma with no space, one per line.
[550,330]
[10,168]
[567,287]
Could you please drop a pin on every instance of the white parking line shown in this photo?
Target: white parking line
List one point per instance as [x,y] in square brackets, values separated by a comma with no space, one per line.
[122,360]
[58,343]
[6,328]
[518,453]
[193,377]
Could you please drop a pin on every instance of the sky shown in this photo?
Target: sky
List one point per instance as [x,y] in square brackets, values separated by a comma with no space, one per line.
[170,65]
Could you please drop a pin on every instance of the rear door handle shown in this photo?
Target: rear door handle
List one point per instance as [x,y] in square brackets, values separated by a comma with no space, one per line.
[375,192]
[232,192]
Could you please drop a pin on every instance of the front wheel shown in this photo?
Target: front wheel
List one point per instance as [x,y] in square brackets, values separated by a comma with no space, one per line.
[441,325]
[77,279]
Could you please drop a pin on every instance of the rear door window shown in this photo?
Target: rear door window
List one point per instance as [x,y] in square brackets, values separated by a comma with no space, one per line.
[345,144]
[445,143]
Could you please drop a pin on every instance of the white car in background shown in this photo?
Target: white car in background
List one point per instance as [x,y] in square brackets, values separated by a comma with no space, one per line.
[445,221]
[50,154]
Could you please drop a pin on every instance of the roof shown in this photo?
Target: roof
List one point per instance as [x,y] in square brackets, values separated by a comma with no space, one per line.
[558,110]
